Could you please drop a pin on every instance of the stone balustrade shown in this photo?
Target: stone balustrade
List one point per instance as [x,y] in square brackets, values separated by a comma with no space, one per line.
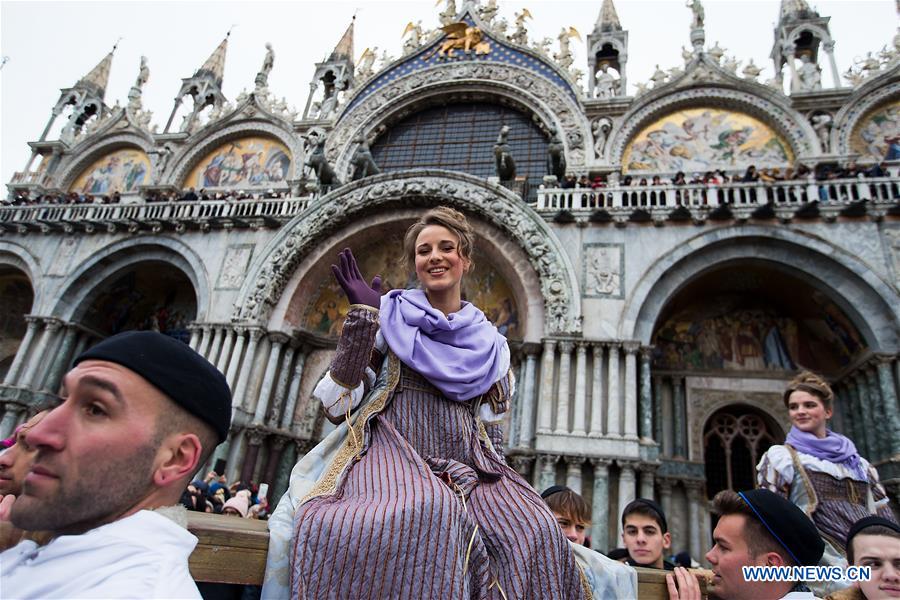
[782,199]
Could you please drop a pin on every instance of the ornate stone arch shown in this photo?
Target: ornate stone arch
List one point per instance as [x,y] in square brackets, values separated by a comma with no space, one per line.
[553,105]
[869,95]
[817,31]
[187,157]
[769,108]
[871,303]
[103,263]
[768,404]
[503,210]
[18,257]
[83,155]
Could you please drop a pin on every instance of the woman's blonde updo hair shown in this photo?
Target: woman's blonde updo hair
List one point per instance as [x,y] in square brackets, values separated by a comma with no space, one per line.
[447,217]
[809,382]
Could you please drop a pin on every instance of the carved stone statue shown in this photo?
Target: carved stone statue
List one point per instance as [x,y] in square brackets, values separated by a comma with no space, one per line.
[488,11]
[686,55]
[134,95]
[159,159]
[565,58]
[716,52]
[556,156]
[809,75]
[449,14]
[659,77]
[751,71]
[544,46]
[318,162]
[143,74]
[699,15]
[606,82]
[366,62]
[731,64]
[520,35]
[262,78]
[414,35]
[363,162]
[506,166]
[600,128]
[854,77]
[500,27]
[822,124]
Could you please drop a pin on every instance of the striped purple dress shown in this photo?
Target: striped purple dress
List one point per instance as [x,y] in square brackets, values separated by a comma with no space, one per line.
[423,506]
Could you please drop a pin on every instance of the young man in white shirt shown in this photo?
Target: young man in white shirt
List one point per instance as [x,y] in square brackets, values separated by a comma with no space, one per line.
[140,413]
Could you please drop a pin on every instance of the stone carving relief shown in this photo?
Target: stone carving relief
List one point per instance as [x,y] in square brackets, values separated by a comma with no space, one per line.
[603,270]
[494,204]
[234,266]
[509,80]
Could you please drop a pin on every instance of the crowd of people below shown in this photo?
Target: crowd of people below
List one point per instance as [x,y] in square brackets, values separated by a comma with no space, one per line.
[213,494]
[25,198]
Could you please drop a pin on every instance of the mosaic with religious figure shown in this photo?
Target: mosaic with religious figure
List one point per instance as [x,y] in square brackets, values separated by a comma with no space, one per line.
[705,139]
[120,171]
[483,286]
[730,333]
[243,163]
[877,136]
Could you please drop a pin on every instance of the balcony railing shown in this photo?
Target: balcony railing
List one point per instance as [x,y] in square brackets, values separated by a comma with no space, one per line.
[203,214]
[783,197]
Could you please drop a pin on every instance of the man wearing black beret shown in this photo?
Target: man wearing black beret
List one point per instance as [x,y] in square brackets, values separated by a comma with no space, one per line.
[139,414]
[874,542]
[756,528]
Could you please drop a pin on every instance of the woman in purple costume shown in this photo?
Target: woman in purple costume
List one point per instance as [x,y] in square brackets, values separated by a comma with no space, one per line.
[412,498]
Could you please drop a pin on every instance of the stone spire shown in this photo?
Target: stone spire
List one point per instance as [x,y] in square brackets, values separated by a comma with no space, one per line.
[98,77]
[215,64]
[792,8]
[799,35]
[608,19]
[344,48]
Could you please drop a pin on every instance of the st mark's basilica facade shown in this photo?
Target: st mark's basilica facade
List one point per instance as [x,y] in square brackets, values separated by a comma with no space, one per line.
[653,327]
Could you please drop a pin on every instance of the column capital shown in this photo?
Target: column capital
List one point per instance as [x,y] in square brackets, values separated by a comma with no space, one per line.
[677,380]
[571,459]
[647,352]
[33,320]
[631,347]
[600,462]
[566,346]
[614,345]
[549,459]
[53,324]
[277,337]
[692,486]
[549,345]
[256,436]
[880,359]
[303,446]
[279,441]
[665,485]
[581,346]
[828,46]
[629,465]
[240,329]
[530,349]
[646,467]
[256,333]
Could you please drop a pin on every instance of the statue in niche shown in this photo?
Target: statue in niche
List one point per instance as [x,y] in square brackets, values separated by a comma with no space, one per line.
[809,75]
[606,82]
[556,156]
[520,35]
[822,124]
[699,15]
[318,162]
[363,162]
[600,128]
[262,78]
[506,166]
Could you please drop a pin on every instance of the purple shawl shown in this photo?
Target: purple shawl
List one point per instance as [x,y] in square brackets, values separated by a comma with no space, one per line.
[459,353]
[834,447]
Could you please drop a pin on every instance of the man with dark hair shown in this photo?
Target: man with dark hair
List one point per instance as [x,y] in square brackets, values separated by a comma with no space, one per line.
[645,534]
[572,512]
[140,413]
[874,542]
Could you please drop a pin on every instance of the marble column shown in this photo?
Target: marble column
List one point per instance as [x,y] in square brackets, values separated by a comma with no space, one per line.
[597,408]
[287,417]
[255,439]
[522,465]
[235,448]
[889,404]
[205,339]
[865,403]
[562,397]
[693,495]
[829,50]
[665,495]
[225,354]
[631,385]
[844,406]
[526,414]
[545,407]
[860,439]
[548,471]
[646,405]
[216,346]
[24,348]
[658,411]
[243,380]
[282,387]
[573,472]
[678,414]
[613,426]
[36,360]
[648,476]
[265,391]
[62,359]
[195,336]
[878,413]
[276,449]
[235,360]
[580,409]
[626,491]
[83,341]
[792,67]
[600,505]
[9,421]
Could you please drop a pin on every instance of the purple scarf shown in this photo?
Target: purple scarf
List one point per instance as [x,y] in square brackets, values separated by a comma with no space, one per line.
[459,354]
[834,448]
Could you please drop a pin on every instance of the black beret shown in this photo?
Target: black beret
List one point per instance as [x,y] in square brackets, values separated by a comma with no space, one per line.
[788,524]
[870,521]
[173,368]
[653,506]
[554,489]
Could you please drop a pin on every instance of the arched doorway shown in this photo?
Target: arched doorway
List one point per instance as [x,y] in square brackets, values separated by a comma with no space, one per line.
[16,298]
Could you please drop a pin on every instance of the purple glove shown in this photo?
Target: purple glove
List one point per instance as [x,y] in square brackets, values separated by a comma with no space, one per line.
[353,284]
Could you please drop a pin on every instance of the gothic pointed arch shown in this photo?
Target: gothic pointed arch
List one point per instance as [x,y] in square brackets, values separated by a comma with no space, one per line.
[268,275]
[859,126]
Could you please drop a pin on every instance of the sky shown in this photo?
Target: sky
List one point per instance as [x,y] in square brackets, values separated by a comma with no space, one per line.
[51,45]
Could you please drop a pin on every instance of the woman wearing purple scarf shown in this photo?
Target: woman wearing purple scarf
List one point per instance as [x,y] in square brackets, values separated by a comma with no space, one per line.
[415,499]
[820,470]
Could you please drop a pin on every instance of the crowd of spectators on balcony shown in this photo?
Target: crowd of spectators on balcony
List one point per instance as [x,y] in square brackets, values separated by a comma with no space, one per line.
[191,195]
[25,198]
